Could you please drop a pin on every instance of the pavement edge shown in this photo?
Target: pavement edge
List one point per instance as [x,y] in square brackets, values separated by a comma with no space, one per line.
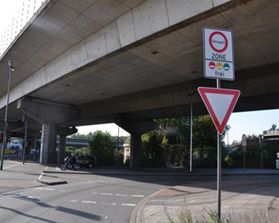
[136,215]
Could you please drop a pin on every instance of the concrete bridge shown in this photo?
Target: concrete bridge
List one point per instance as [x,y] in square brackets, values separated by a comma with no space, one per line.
[129,61]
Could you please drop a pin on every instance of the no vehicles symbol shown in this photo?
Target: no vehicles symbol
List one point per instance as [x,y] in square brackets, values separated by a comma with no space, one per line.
[218,42]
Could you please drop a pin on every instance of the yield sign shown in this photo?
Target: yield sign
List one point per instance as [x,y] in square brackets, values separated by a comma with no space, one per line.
[220,103]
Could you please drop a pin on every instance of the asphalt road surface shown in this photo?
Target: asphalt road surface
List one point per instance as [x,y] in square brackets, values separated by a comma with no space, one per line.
[86,197]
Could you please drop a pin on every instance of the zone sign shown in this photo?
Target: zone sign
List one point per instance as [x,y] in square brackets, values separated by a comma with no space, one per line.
[218,54]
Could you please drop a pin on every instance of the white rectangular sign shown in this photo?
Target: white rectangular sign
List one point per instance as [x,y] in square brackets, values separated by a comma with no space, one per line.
[218,54]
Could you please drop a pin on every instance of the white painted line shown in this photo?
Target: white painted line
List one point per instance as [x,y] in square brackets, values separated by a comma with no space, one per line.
[130,205]
[106,203]
[121,195]
[44,188]
[73,200]
[56,168]
[137,195]
[89,202]
[107,194]
[94,193]
[32,197]
[40,176]
[7,167]
[46,168]
[113,204]
[51,189]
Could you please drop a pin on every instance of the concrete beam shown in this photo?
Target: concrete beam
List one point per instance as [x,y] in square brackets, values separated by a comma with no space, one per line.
[47,113]
[11,125]
[135,125]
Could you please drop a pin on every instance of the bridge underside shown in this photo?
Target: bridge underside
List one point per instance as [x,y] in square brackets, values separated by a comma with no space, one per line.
[152,77]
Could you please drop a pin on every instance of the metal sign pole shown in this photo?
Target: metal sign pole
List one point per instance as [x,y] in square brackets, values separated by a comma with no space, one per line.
[244,163]
[191,138]
[25,143]
[219,159]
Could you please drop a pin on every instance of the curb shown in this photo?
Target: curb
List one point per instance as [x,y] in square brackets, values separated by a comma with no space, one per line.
[52,182]
[136,215]
[161,174]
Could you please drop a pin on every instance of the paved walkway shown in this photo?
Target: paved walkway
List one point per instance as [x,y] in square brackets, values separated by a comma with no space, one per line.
[242,201]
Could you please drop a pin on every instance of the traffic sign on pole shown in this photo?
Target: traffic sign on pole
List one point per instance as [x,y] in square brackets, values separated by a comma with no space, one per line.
[244,143]
[220,103]
[218,54]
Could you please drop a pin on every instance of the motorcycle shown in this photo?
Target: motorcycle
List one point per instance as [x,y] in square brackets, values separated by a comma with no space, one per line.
[68,165]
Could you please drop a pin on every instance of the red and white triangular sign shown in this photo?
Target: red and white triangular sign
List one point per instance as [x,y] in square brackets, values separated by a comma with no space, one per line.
[220,103]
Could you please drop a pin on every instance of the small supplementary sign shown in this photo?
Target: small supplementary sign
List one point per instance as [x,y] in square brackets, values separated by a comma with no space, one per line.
[218,54]
[244,143]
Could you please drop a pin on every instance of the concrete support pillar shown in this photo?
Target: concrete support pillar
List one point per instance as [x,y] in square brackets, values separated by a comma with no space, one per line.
[136,127]
[135,151]
[48,144]
[49,115]
[62,148]
[63,132]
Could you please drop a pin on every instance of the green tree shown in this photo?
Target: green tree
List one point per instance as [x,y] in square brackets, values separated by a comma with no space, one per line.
[82,136]
[102,148]
[273,127]
[152,153]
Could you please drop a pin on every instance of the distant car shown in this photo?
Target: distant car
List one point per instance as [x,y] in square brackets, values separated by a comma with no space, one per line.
[88,161]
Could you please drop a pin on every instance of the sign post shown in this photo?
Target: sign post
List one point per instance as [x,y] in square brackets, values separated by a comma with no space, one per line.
[244,144]
[219,65]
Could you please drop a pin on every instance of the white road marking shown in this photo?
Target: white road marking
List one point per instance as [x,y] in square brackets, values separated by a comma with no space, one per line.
[107,194]
[89,202]
[113,204]
[130,205]
[121,195]
[73,200]
[44,188]
[46,168]
[137,195]
[106,203]
[32,197]
[94,193]
[40,176]
[9,166]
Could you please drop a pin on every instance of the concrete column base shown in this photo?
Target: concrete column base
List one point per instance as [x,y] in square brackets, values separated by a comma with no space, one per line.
[48,144]
[135,155]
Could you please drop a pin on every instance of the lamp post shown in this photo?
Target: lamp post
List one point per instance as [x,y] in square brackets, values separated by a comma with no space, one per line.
[6,114]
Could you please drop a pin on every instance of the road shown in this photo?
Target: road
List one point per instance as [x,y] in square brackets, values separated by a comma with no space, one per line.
[86,197]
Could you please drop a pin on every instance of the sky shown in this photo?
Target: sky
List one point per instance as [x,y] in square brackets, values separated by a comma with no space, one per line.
[241,123]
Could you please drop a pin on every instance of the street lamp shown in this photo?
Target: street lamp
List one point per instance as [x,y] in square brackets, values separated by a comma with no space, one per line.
[6,114]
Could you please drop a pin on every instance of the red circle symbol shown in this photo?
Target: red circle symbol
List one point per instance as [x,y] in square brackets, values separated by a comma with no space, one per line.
[212,65]
[211,42]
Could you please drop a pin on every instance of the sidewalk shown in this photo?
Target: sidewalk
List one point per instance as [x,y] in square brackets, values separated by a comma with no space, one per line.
[242,201]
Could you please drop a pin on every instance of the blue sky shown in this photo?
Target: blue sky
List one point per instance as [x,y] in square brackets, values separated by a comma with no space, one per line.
[251,123]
